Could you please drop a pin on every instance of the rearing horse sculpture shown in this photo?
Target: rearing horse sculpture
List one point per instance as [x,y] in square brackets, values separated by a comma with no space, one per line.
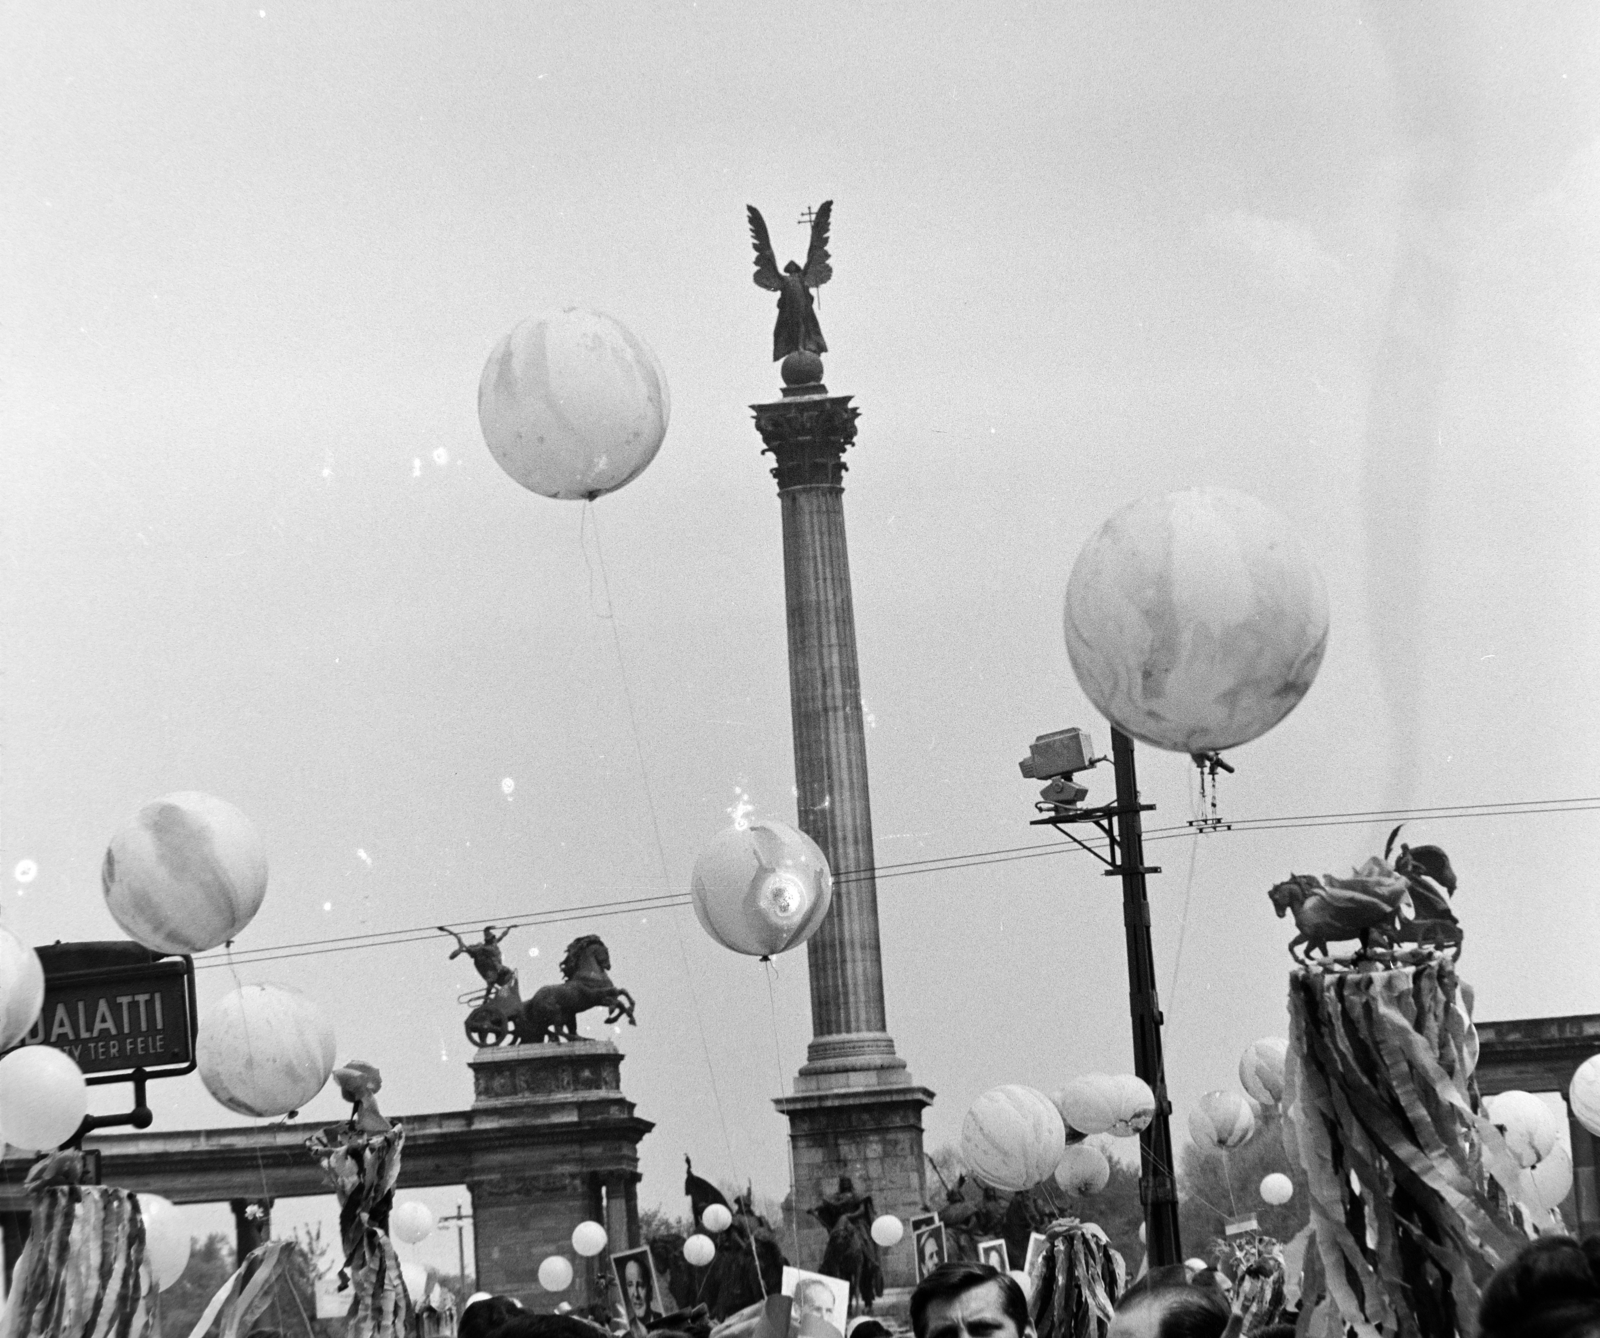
[552,1013]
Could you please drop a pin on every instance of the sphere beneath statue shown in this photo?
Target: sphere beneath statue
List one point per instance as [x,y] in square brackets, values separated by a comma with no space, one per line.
[801,368]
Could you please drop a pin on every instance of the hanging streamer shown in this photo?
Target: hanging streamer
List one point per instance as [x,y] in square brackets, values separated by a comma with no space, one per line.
[1384,1116]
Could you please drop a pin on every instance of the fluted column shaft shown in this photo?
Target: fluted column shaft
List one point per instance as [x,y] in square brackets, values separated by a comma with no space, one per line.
[807,436]
[831,758]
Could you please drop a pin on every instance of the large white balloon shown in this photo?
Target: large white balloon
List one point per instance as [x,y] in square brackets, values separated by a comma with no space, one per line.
[588,1239]
[1196,620]
[1530,1128]
[1012,1137]
[1088,1103]
[21,988]
[1221,1120]
[1261,1069]
[698,1250]
[1583,1095]
[411,1222]
[43,1098]
[264,1050]
[573,404]
[555,1273]
[1083,1169]
[167,1242]
[716,1218]
[761,889]
[187,873]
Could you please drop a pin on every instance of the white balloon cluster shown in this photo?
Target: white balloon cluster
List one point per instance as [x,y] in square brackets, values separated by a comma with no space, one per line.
[1521,1139]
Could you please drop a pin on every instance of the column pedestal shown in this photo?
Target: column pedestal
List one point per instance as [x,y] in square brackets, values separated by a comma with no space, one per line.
[583,1166]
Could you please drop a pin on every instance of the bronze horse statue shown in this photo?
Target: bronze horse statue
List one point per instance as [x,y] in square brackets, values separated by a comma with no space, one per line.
[1371,906]
[552,1013]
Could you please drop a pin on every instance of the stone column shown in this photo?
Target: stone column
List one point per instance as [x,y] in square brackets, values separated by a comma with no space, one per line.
[1583,1204]
[855,1109]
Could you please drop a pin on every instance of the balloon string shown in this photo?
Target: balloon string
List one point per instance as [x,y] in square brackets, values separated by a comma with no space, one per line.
[1183,920]
[777,1050]
[655,827]
[1162,1166]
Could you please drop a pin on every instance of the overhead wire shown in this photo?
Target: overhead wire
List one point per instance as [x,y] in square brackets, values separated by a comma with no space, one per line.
[908,868]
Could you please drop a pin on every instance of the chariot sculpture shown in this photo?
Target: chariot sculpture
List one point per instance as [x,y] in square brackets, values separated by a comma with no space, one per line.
[500,1013]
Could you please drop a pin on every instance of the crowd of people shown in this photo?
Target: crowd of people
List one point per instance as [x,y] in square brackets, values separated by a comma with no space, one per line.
[1550,1290]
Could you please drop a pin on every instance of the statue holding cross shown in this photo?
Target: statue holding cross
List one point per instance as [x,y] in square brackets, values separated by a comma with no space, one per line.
[798,330]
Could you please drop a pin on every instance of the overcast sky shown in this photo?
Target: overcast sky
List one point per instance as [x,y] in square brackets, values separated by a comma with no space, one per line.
[254,544]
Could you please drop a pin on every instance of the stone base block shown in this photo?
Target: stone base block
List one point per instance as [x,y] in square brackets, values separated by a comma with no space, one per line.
[873,1134]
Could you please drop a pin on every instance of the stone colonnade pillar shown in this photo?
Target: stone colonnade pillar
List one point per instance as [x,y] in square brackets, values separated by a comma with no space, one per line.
[584,1167]
[855,1109]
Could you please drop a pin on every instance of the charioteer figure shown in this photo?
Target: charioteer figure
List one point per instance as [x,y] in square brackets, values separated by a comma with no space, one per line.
[486,957]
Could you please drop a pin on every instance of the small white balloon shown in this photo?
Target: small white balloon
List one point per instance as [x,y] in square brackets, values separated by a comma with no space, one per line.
[588,1239]
[415,1276]
[411,1222]
[1546,1185]
[166,1240]
[716,1218]
[1277,1189]
[888,1230]
[43,1098]
[555,1274]
[699,1250]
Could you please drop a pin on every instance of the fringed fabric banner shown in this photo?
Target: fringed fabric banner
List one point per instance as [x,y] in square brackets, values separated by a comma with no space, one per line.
[83,1272]
[363,1169]
[1383,1114]
[242,1298]
[1076,1281]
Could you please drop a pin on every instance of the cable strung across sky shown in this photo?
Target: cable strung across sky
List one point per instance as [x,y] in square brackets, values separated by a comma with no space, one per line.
[908,868]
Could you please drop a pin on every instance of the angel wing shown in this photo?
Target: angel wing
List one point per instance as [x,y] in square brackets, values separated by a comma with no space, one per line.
[817,270]
[766,275]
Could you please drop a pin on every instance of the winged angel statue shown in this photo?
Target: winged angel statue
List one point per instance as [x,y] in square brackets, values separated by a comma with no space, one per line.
[797,329]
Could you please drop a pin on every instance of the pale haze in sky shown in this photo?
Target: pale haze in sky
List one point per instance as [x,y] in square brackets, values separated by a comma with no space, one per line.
[254,544]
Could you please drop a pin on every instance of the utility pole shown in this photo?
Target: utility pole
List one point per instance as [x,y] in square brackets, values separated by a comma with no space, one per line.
[1057,758]
[460,1219]
[1158,1188]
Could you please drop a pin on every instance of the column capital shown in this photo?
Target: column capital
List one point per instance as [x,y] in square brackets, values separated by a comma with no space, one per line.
[807,436]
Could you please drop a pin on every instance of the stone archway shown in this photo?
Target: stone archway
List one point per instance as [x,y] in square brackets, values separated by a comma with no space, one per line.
[550,1141]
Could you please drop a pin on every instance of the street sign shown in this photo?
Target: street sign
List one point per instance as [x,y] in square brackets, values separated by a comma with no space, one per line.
[116,1008]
